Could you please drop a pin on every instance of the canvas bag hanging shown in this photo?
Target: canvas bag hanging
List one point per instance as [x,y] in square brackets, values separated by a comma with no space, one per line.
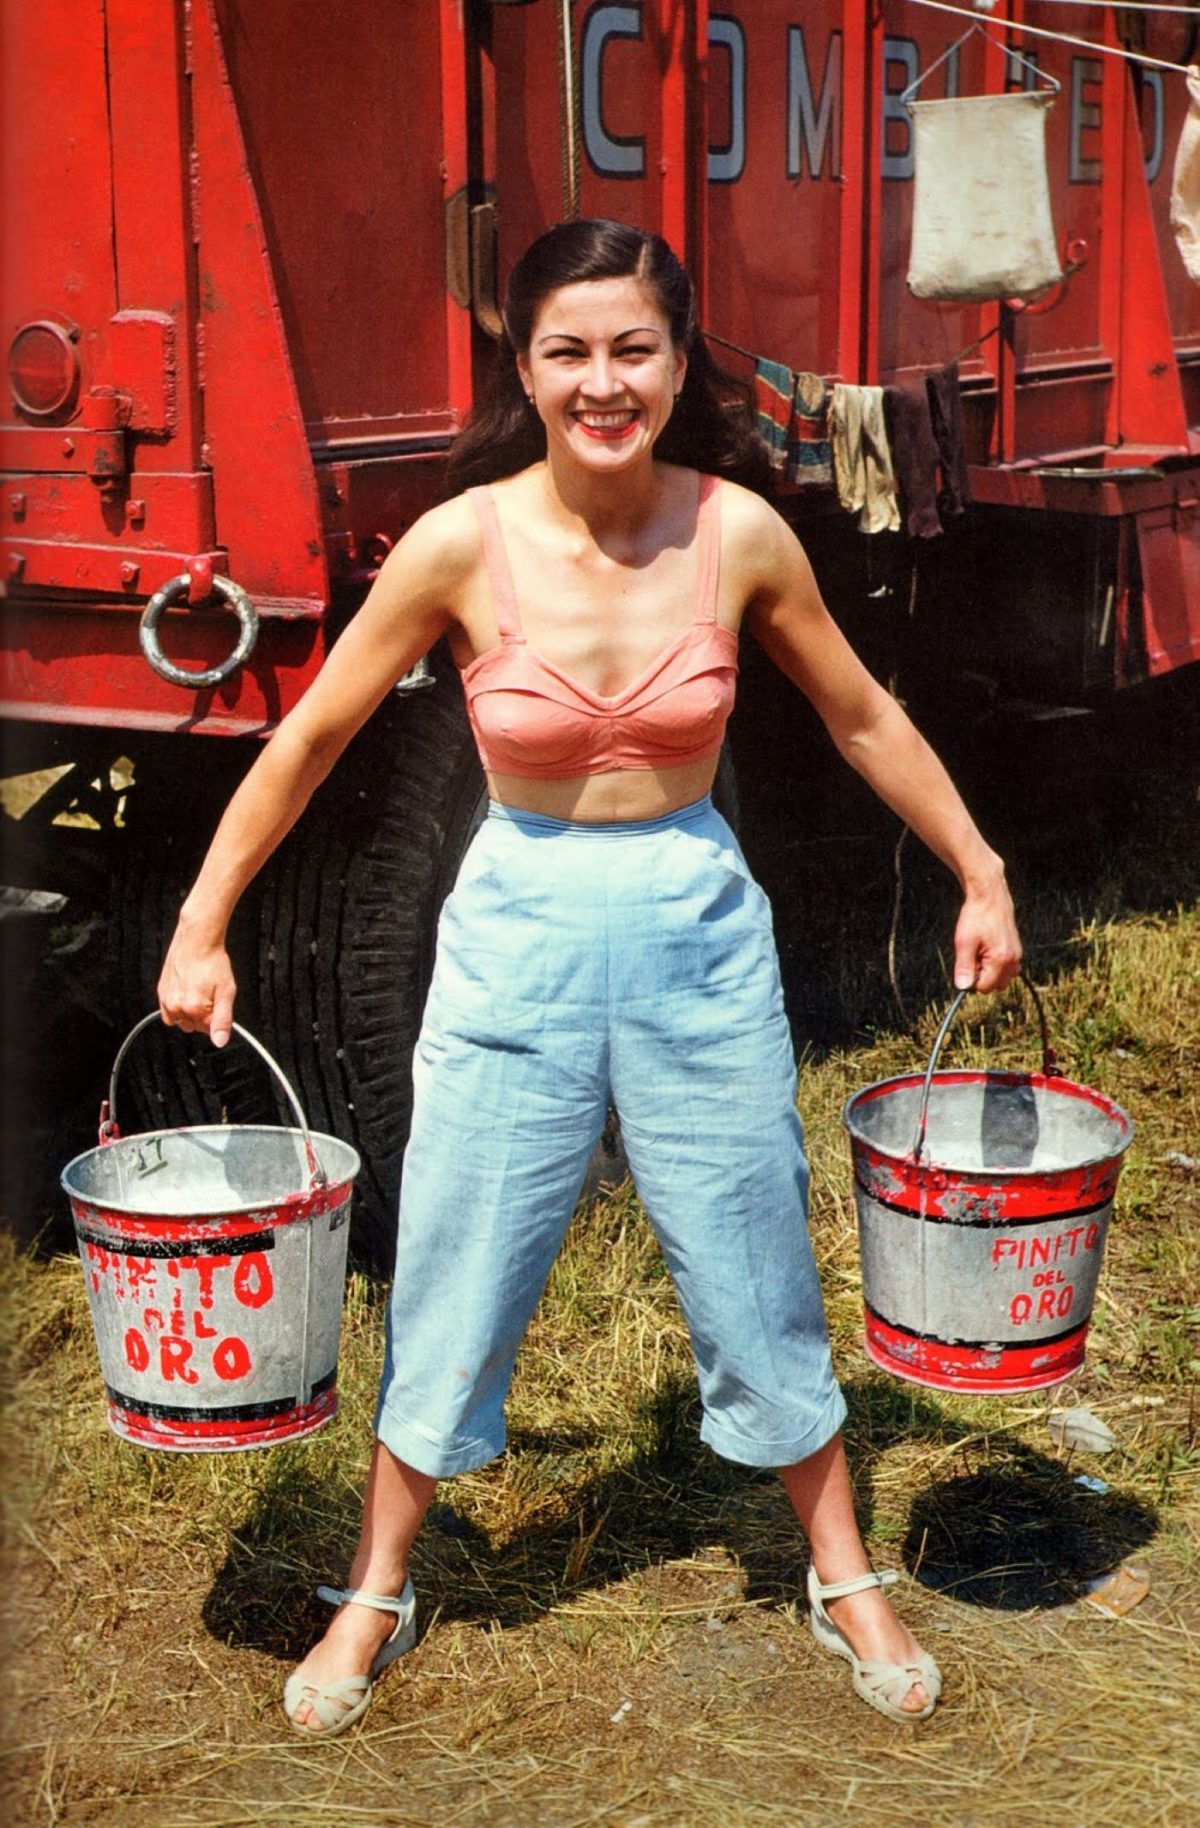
[982,226]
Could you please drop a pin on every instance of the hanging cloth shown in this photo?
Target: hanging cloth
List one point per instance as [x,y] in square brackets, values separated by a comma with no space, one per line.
[945,410]
[925,427]
[982,225]
[914,455]
[774,394]
[1185,184]
[809,452]
[791,411]
[862,458]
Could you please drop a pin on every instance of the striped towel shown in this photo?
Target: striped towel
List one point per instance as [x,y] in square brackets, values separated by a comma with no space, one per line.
[791,412]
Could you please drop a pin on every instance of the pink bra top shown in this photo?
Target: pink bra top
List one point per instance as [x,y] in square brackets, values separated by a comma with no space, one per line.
[532,719]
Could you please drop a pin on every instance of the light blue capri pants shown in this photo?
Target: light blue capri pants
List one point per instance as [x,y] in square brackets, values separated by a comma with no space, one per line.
[578,966]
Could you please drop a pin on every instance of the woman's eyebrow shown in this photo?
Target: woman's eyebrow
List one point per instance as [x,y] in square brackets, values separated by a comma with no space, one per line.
[566,336]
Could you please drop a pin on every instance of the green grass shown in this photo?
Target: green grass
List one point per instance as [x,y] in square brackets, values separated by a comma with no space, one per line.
[157,1601]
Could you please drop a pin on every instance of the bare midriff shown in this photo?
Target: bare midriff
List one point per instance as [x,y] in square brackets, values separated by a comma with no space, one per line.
[600,799]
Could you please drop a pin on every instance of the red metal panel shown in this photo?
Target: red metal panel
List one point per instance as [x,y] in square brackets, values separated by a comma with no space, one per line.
[155,268]
[1169,548]
[786,233]
[455,172]
[56,227]
[268,515]
[51,672]
[1150,407]
[342,115]
[674,164]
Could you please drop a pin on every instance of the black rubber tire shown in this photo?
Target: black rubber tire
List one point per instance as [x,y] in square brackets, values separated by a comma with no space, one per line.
[347,930]
[169,1078]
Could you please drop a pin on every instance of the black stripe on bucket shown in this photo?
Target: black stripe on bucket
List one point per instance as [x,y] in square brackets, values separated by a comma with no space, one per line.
[978,1345]
[240,1245]
[238,1412]
[942,1218]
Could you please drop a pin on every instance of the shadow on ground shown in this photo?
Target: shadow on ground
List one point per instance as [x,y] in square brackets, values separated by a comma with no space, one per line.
[1012,1531]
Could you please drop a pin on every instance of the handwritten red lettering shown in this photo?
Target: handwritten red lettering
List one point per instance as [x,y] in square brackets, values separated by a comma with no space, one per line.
[140,1271]
[173,1360]
[252,1281]
[231,1359]
[200,1329]
[137,1352]
[1023,1253]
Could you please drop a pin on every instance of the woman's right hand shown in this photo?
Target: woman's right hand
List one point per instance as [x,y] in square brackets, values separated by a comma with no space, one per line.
[197,986]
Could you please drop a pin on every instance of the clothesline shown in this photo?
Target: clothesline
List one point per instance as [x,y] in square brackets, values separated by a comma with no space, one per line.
[1127,6]
[1037,31]
[710,336]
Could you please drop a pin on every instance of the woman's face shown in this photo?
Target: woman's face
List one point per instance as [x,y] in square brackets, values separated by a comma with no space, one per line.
[603,371]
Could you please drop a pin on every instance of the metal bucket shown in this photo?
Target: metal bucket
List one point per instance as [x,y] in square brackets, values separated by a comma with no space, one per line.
[215,1258]
[983,1204]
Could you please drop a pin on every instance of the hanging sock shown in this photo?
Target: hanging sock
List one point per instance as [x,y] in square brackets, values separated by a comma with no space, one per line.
[915,455]
[945,412]
[1185,183]
[862,460]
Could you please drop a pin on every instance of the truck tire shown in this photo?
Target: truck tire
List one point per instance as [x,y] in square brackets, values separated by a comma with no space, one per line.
[170,1078]
[347,926]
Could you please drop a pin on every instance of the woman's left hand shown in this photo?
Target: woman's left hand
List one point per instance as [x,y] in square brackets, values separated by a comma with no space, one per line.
[987,946]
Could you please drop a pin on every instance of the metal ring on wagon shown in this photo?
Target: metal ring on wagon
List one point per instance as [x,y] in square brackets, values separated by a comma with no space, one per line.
[236,600]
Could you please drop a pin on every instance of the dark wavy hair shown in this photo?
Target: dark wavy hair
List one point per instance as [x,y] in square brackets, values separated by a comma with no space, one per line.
[712,426]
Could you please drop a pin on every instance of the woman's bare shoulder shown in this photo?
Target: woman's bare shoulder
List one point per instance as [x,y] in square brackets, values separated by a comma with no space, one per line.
[755,538]
[438,555]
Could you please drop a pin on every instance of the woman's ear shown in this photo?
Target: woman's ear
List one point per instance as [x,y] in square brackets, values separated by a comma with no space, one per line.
[681,363]
[526,375]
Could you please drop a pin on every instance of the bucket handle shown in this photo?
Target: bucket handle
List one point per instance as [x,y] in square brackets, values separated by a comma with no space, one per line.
[108,1110]
[1049,1058]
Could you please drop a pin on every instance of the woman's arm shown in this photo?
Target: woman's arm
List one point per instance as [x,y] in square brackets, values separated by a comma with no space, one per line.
[787,616]
[407,609]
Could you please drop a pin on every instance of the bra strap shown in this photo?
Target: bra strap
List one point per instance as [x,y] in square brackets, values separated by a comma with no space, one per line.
[708,548]
[495,559]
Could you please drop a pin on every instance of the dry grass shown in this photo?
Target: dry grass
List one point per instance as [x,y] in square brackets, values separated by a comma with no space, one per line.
[611,1613]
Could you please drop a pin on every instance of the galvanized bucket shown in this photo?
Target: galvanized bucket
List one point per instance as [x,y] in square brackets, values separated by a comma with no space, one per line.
[983,1205]
[215,1259]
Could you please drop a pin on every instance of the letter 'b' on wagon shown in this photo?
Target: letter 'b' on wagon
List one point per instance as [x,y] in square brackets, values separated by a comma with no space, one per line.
[983,1202]
[215,1259]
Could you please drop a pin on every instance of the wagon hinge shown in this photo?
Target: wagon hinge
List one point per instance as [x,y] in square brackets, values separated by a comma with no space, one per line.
[471,257]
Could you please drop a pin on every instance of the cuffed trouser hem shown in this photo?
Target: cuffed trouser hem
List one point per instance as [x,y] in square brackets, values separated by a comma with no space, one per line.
[426,1456]
[745,1452]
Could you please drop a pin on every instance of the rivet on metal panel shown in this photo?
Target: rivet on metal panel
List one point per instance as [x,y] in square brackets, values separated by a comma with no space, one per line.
[137,512]
[16,567]
[18,503]
[130,573]
[68,447]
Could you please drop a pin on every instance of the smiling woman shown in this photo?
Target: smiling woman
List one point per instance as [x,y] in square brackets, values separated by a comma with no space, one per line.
[605,944]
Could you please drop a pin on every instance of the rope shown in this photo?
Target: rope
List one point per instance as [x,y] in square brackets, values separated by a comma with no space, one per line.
[1129,6]
[710,336]
[568,113]
[1036,31]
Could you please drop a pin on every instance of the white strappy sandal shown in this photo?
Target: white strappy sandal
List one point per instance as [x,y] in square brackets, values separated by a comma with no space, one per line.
[338,1704]
[883,1685]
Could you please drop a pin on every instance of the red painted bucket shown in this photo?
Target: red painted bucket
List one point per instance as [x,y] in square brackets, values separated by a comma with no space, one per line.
[215,1259]
[983,1205]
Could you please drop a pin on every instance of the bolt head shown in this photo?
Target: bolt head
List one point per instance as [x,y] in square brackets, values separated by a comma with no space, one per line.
[130,573]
